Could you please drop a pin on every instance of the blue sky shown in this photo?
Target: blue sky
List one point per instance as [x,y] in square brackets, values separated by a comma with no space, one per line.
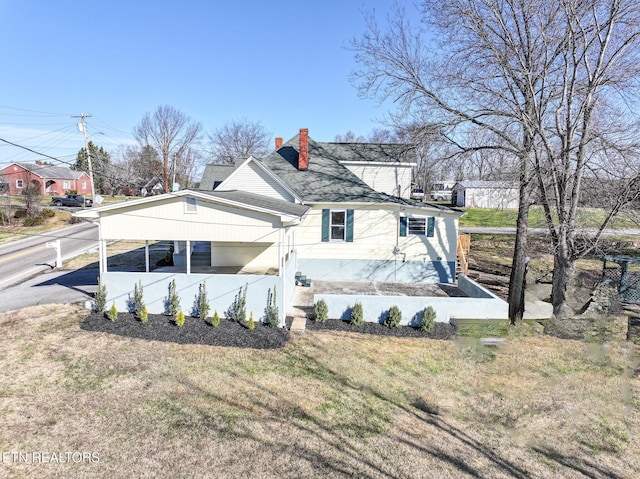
[282,63]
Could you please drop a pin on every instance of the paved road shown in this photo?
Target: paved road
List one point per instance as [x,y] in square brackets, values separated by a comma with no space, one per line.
[25,258]
[51,287]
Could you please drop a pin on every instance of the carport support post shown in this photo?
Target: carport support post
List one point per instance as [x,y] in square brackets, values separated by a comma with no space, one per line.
[146,255]
[187,255]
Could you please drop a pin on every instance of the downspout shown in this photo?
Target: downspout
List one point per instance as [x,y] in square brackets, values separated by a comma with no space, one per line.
[283,279]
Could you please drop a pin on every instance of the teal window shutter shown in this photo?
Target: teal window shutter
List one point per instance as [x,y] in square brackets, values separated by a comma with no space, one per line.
[431,222]
[349,233]
[325,225]
[403,226]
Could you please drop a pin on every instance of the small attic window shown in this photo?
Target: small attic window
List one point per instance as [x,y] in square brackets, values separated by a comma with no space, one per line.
[190,205]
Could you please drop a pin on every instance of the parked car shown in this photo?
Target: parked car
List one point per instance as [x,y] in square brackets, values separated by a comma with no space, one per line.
[71,200]
[417,194]
[441,191]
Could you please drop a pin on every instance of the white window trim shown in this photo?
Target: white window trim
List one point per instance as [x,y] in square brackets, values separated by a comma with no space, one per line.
[19,183]
[344,226]
[66,185]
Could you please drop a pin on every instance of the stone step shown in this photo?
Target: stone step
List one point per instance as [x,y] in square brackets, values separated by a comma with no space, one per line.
[298,325]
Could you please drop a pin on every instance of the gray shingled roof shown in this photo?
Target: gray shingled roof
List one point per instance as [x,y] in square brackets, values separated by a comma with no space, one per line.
[487,184]
[49,171]
[372,152]
[214,172]
[326,180]
[260,201]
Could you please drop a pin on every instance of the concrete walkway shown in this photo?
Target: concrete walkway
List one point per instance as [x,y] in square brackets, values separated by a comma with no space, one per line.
[302,305]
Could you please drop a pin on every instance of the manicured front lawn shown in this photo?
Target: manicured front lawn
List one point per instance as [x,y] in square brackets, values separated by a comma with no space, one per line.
[328,404]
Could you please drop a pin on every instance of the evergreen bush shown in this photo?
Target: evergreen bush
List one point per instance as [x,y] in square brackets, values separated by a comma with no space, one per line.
[357,314]
[100,297]
[251,324]
[428,319]
[202,306]
[112,314]
[394,317]
[144,314]
[138,300]
[215,321]
[271,311]
[321,311]
[238,309]
[180,319]
[172,301]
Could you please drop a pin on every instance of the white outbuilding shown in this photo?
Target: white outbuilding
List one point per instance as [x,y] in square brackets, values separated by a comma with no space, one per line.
[485,194]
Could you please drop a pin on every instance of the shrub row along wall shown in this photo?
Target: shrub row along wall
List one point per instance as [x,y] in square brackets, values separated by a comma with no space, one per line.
[481,304]
[222,290]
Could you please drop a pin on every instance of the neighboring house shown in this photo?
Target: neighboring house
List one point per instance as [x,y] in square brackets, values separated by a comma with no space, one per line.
[307,207]
[51,180]
[214,174]
[485,194]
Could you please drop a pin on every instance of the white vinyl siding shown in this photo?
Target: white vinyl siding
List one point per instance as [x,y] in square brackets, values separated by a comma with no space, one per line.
[375,235]
[167,220]
[250,177]
[384,178]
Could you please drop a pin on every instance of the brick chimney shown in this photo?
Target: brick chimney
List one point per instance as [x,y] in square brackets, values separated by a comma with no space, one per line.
[278,143]
[303,153]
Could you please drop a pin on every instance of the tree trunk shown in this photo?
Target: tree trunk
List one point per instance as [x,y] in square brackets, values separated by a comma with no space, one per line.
[563,271]
[519,262]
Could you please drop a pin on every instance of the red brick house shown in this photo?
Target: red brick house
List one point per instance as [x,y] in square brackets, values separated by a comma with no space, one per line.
[52,180]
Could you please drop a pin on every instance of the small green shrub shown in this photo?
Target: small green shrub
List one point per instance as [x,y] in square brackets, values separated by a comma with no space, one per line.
[172,301]
[357,314]
[428,319]
[112,314]
[48,213]
[100,297]
[144,314]
[394,317]
[271,311]
[321,311]
[251,324]
[33,221]
[215,321]
[138,300]
[180,319]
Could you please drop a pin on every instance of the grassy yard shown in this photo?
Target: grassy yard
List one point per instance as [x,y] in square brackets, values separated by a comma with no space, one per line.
[587,218]
[327,405]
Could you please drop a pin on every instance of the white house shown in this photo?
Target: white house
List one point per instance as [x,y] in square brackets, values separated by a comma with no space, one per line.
[485,194]
[307,207]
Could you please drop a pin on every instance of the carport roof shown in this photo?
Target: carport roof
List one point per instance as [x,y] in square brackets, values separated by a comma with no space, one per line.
[241,199]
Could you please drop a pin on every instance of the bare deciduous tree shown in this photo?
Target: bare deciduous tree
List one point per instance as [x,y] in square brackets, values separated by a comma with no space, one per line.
[523,80]
[171,133]
[239,139]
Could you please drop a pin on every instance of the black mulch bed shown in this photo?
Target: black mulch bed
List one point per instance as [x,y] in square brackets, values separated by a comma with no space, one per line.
[194,331]
[439,331]
[231,334]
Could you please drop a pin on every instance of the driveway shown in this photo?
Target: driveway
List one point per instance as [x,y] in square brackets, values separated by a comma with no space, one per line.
[51,287]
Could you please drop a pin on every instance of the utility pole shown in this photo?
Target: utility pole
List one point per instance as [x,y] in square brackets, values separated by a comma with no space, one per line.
[83,129]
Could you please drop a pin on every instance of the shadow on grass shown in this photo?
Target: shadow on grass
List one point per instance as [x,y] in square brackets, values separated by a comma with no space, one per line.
[340,441]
